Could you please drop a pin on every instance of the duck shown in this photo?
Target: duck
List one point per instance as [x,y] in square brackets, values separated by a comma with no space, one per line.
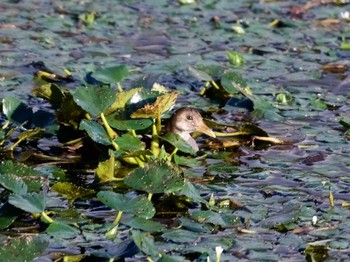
[186,120]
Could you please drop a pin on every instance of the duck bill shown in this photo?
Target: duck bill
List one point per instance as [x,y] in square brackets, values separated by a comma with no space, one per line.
[203,128]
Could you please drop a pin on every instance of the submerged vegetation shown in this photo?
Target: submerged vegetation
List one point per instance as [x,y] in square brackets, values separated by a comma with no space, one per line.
[89,171]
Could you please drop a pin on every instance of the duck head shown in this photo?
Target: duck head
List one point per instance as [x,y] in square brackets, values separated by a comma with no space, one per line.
[187,120]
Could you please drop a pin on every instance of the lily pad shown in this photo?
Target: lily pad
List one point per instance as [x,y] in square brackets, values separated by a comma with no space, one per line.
[144,224]
[105,170]
[235,58]
[30,176]
[122,99]
[61,230]
[160,106]
[111,74]
[33,203]
[13,183]
[200,75]
[94,100]
[129,143]
[231,80]
[179,143]
[139,206]
[116,122]
[71,191]
[156,177]
[23,249]
[50,92]
[16,111]
[95,131]
[145,242]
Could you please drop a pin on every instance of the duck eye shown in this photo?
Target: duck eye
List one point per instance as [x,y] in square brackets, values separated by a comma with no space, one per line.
[189,117]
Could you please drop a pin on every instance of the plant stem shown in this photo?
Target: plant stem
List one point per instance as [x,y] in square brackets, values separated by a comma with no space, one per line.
[239,133]
[5,125]
[155,141]
[115,145]
[111,133]
[214,84]
[133,132]
[159,123]
[120,89]
[118,217]
[46,217]
[172,154]
[139,161]
[149,197]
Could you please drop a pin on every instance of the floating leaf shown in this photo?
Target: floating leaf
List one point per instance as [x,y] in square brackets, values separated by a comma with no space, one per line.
[181,236]
[129,124]
[111,74]
[33,203]
[122,98]
[232,82]
[30,176]
[61,230]
[13,183]
[162,104]
[94,100]
[71,191]
[155,177]
[129,143]
[26,248]
[8,214]
[139,206]
[200,75]
[178,142]
[16,111]
[49,92]
[95,131]
[105,170]
[235,58]
[144,224]
[145,243]
[192,193]
[70,113]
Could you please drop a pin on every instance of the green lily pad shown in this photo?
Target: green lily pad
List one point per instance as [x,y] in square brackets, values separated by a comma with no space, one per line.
[139,206]
[145,242]
[231,80]
[30,176]
[178,142]
[95,131]
[192,193]
[16,111]
[144,224]
[155,177]
[116,122]
[13,183]
[23,249]
[61,230]
[235,58]
[160,106]
[187,161]
[181,236]
[71,191]
[122,99]
[200,75]
[49,92]
[33,203]
[105,169]
[129,143]
[94,100]
[8,214]
[111,74]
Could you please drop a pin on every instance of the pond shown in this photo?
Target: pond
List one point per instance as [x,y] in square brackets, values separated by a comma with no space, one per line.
[89,174]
